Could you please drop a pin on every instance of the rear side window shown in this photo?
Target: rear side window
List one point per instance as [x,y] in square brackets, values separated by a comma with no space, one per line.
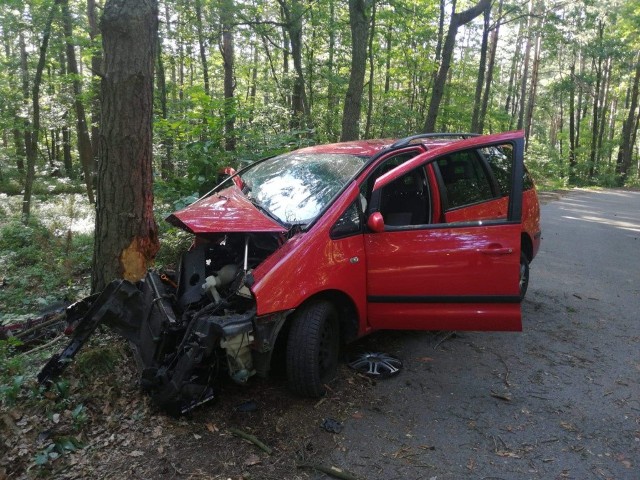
[465,179]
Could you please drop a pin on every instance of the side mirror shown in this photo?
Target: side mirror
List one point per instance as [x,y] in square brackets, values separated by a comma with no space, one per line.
[376,222]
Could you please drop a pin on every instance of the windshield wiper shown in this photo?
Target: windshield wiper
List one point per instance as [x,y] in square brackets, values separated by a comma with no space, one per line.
[267,212]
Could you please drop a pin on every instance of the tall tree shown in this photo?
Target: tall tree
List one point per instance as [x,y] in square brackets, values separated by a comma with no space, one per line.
[33,134]
[629,128]
[126,238]
[457,20]
[359,22]
[84,141]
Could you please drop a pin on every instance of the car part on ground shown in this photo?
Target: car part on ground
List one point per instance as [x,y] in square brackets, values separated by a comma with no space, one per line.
[376,364]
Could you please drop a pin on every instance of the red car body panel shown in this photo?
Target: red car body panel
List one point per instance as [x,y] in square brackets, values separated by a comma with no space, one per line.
[311,262]
[226,211]
[459,272]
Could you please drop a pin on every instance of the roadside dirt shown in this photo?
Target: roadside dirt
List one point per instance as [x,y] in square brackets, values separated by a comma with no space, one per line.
[559,400]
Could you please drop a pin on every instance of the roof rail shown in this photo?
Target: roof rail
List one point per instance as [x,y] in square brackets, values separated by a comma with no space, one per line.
[404,142]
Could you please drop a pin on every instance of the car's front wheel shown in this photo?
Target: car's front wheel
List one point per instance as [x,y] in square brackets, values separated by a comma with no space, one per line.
[312,348]
[524,275]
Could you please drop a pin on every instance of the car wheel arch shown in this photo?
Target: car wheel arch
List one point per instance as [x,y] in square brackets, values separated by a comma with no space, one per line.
[526,245]
[349,318]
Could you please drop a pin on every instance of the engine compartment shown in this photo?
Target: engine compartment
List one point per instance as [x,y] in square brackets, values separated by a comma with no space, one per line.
[186,328]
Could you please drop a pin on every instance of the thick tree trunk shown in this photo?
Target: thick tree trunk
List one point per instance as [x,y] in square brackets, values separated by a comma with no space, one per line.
[126,237]
[84,141]
[457,20]
[359,22]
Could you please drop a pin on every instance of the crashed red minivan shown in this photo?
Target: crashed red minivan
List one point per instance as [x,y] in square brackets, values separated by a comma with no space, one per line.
[317,247]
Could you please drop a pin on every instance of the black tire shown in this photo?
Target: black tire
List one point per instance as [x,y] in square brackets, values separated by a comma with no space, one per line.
[312,349]
[524,275]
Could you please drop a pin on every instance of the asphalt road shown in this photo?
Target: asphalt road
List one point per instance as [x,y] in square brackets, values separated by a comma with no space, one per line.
[559,400]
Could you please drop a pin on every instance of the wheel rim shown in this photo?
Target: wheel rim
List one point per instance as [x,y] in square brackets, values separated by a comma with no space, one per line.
[376,364]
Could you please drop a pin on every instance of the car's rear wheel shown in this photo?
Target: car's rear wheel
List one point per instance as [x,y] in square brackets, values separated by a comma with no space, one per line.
[313,348]
[524,275]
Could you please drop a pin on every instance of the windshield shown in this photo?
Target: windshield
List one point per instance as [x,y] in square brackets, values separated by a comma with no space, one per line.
[295,187]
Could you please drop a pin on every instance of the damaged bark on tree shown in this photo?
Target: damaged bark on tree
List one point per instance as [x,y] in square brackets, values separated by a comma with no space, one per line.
[126,238]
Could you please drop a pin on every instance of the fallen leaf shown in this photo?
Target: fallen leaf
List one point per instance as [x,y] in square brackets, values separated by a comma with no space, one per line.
[503,453]
[136,453]
[196,436]
[252,460]
[211,427]
[357,415]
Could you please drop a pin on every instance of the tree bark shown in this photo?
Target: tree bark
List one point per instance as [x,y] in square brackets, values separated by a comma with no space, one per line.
[332,99]
[359,22]
[84,141]
[126,237]
[572,122]
[457,20]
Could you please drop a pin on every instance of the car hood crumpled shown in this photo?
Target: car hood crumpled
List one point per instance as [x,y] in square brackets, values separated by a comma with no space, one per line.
[226,211]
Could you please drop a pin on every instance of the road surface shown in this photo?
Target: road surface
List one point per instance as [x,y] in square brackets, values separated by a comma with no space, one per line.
[559,400]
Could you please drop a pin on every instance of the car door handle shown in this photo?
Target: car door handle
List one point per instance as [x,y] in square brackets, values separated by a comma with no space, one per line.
[496,251]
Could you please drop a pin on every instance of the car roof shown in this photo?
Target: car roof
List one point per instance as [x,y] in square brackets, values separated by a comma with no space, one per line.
[369,148]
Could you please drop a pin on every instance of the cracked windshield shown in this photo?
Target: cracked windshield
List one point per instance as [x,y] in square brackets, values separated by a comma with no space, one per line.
[296,187]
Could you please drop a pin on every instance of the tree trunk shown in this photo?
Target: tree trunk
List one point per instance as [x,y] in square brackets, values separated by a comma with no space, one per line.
[367,130]
[293,13]
[202,46]
[84,141]
[533,88]
[477,99]
[572,122]
[492,60]
[228,58]
[66,152]
[457,20]
[126,238]
[525,70]
[627,139]
[332,99]
[166,164]
[359,22]
[96,71]
[32,136]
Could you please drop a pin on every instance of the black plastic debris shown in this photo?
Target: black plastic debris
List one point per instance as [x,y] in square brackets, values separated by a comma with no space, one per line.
[331,425]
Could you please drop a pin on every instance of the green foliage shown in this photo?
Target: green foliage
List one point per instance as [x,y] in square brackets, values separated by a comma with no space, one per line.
[41,265]
[11,371]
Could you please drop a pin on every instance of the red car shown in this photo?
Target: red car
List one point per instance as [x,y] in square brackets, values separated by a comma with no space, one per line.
[329,243]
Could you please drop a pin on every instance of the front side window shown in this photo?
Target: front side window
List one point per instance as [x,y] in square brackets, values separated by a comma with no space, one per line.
[466,181]
[295,187]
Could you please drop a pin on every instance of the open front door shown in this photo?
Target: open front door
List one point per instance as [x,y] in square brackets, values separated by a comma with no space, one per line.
[456,275]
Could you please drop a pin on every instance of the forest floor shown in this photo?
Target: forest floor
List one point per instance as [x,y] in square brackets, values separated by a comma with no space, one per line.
[559,400]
